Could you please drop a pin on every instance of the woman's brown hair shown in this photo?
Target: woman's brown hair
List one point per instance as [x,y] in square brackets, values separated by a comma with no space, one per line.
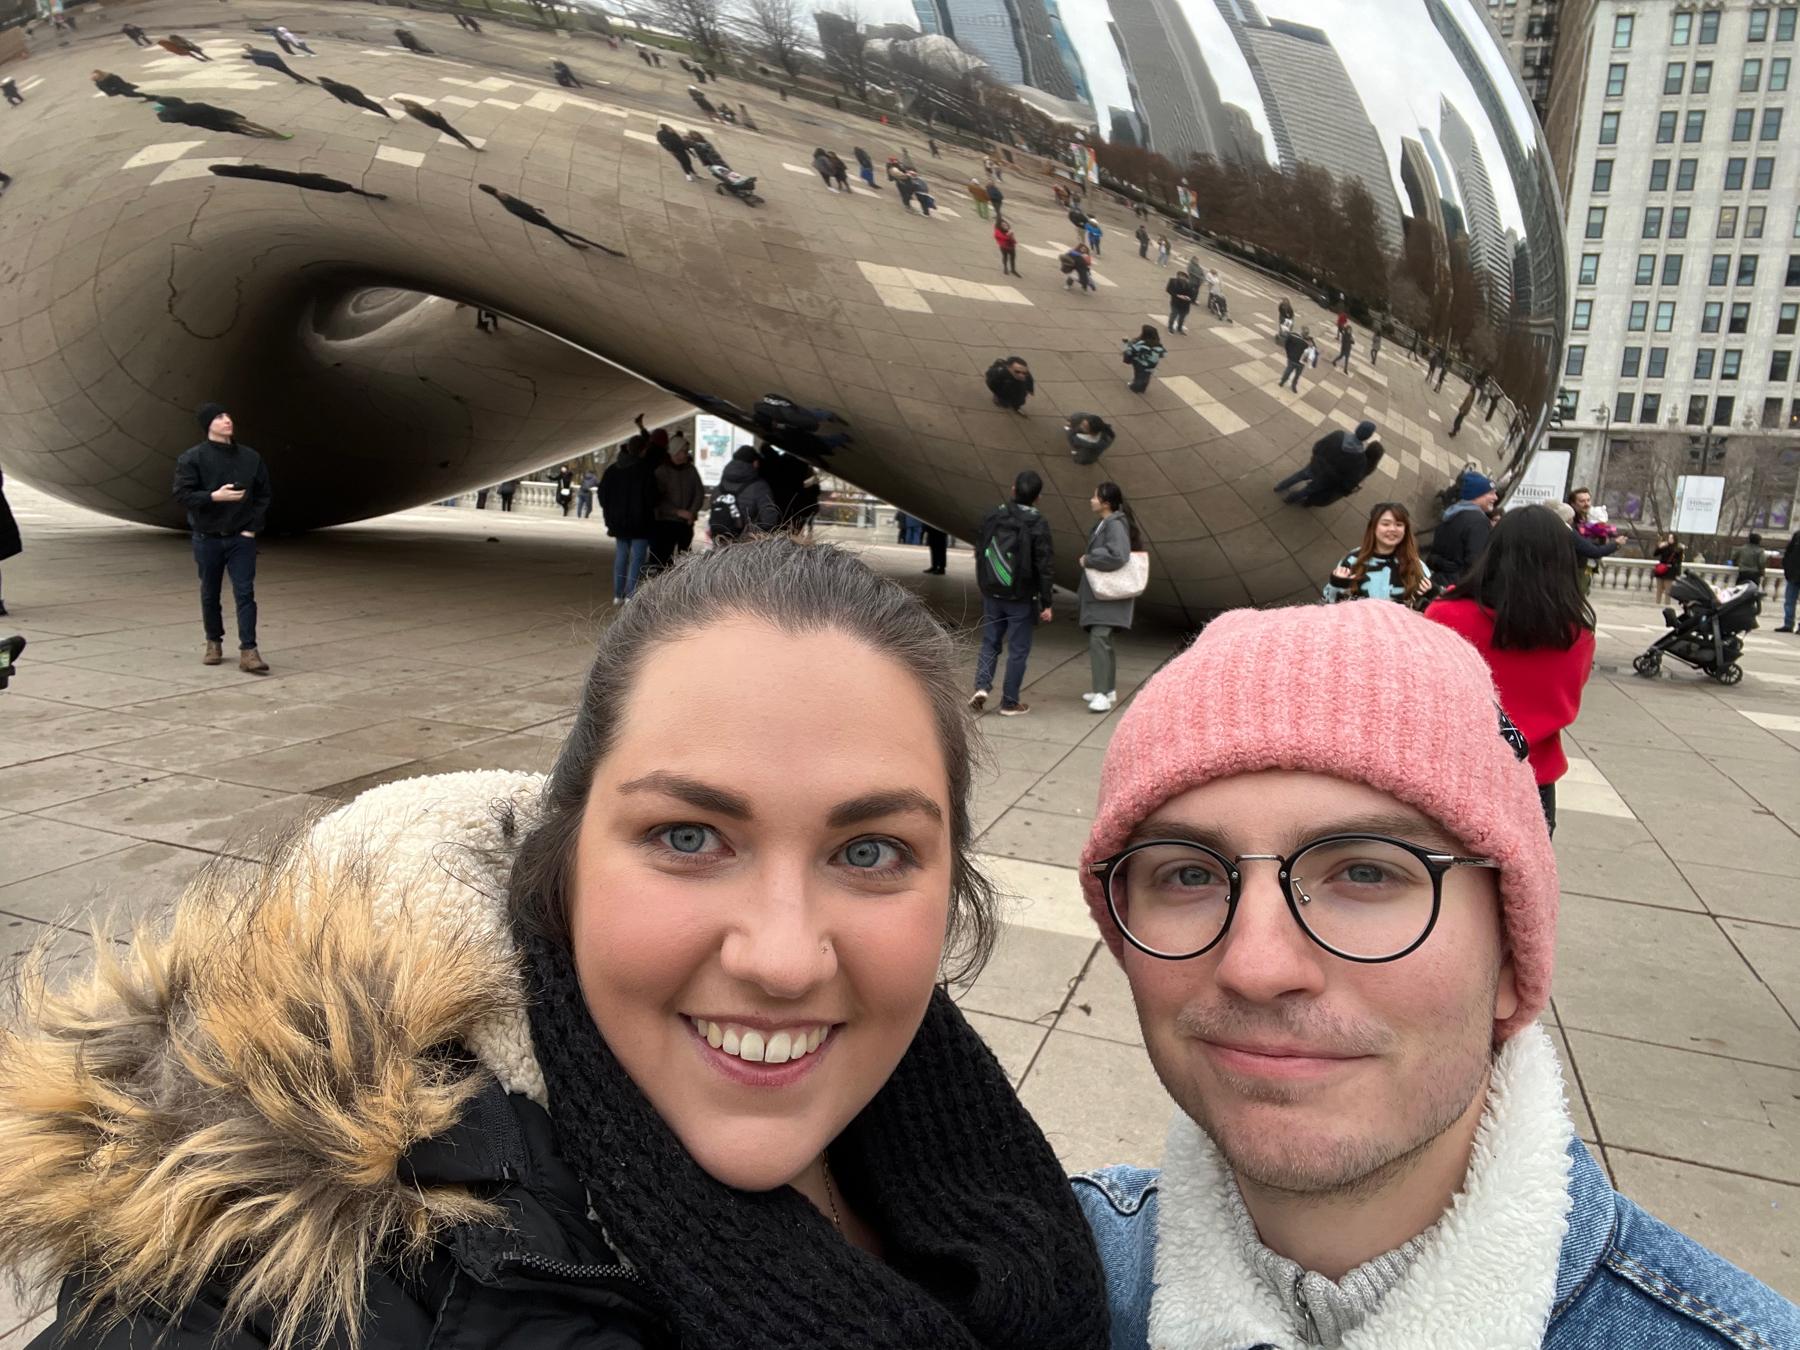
[1411,572]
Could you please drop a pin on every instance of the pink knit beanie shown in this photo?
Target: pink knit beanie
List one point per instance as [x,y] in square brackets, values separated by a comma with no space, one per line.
[1368,692]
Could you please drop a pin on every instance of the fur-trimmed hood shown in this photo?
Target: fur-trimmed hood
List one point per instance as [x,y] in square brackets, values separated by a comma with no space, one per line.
[195,1103]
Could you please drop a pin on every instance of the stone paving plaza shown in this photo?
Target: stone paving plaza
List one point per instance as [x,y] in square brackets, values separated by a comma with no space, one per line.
[438,640]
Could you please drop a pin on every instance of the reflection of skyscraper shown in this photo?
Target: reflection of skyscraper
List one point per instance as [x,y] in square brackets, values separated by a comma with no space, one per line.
[1065,49]
[1137,98]
[1313,107]
[1124,127]
[1180,98]
[928,16]
[1488,254]
[1243,142]
[1014,37]
[1454,225]
[1420,182]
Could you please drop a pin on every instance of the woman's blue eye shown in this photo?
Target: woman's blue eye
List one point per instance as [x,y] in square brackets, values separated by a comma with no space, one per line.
[871,854]
[686,838]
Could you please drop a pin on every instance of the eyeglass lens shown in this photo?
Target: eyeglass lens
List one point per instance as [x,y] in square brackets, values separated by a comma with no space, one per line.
[1362,897]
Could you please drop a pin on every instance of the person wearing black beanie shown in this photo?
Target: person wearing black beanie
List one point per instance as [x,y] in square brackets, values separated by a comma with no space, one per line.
[224,487]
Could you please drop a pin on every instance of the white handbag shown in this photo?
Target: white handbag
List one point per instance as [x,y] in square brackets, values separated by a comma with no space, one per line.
[1124,583]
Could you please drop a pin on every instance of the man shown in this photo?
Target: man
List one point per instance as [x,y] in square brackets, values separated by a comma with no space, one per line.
[1790,569]
[113,86]
[1182,292]
[1372,1150]
[564,76]
[1464,409]
[349,93]
[1010,381]
[1588,551]
[679,494]
[316,182]
[412,44]
[525,211]
[436,121]
[224,487]
[1078,265]
[742,504]
[1015,567]
[137,35]
[1339,462]
[670,139]
[272,61]
[1296,345]
[1463,532]
[628,509]
[1346,344]
[210,117]
[1750,560]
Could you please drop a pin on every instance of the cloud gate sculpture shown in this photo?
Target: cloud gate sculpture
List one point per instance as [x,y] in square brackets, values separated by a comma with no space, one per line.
[308,233]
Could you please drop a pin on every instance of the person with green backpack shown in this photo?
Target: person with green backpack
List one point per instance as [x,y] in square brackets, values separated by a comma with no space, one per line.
[1143,353]
[1015,569]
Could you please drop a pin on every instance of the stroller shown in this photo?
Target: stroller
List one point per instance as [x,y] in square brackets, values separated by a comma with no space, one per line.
[736,184]
[1706,633]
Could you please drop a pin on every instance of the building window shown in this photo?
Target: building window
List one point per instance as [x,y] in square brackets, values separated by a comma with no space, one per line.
[1785,318]
[1622,406]
[1577,361]
[1740,318]
[1665,316]
[1771,414]
[1652,222]
[1730,363]
[1762,178]
[1734,174]
[1721,270]
[1628,366]
[1778,365]
[1778,74]
[1743,123]
[1703,363]
[1794,415]
[1696,413]
[1658,364]
[1590,270]
[1615,80]
[1723,407]
[1622,31]
[1665,127]
[1596,222]
[1771,125]
[1649,407]
[1659,175]
[1671,275]
[1727,226]
[1746,274]
[1678,222]
[1784,23]
[1646,269]
[1702,77]
[1709,27]
[1694,129]
[1681,30]
[1793,270]
[1709,316]
[1759,26]
[1609,128]
[1584,312]
[1603,175]
[1640,314]
[1674,76]
[1753,221]
[1684,174]
[1750,78]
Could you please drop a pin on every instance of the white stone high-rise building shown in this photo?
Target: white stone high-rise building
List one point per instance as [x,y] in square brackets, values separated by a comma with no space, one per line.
[1675,129]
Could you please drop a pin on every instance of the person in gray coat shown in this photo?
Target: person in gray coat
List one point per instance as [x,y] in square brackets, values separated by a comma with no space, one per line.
[1110,546]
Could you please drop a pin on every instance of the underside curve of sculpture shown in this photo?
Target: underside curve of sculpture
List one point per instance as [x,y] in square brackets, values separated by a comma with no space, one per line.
[304,223]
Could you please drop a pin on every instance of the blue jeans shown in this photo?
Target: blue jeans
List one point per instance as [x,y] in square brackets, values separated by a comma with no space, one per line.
[1787,603]
[215,557]
[628,561]
[1013,622]
[584,504]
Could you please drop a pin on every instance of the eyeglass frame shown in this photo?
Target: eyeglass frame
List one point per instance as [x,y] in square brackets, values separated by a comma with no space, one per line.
[1436,862]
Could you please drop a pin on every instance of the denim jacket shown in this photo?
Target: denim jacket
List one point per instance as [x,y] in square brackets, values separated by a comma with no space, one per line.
[1624,1280]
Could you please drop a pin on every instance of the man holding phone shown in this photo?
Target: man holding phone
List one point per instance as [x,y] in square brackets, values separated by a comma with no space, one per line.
[224,487]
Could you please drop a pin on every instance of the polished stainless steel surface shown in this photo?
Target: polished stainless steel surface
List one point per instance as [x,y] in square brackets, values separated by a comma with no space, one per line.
[310,245]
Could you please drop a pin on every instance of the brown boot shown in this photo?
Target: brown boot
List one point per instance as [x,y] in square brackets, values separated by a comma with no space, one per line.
[251,663]
[215,653]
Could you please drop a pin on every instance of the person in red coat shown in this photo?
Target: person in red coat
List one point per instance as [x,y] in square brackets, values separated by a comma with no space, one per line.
[1520,606]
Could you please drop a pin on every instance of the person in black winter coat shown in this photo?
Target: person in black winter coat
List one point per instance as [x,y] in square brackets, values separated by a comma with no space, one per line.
[1790,570]
[1010,381]
[1015,570]
[349,93]
[412,44]
[114,86]
[1090,436]
[436,121]
[315,182]
[223,485]
[10,543]
[1463,533]
[1296,345]
[528,213]
[753,505]
[628,509]
[272,61]
[1339,462]
[1182,293]
[670,139]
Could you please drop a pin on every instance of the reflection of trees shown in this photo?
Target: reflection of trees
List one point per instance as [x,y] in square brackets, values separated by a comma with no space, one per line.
[1760,475]
[774,28]
[701,22]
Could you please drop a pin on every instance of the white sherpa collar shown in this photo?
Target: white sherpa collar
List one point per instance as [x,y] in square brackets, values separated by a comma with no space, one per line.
[1484,1281]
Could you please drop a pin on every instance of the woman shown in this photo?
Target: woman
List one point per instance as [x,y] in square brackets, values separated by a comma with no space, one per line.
[1521,607]
[1386,565]
[1090,436]
[1142,354]
[840,171]
[1114,539]
[1009,247]
[821,163]
[1078,265]
[565,487]
[980,196]
[1669,557]
[1162,250]
[649,1054]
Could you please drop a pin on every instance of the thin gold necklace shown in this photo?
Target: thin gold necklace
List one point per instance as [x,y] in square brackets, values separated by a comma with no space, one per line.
[831,1194]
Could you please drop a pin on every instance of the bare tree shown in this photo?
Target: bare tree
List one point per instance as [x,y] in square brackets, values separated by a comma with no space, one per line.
[845,42]
[701,22]
[775,27]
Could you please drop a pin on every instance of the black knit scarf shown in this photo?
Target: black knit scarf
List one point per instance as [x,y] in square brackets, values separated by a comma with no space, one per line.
[983,1242]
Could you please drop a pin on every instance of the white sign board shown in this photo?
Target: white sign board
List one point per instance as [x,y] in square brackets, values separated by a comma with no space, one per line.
[1546,477]
[715,440]
[1697,502]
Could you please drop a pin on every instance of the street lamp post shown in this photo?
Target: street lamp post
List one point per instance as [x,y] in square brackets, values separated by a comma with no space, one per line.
[1605,414]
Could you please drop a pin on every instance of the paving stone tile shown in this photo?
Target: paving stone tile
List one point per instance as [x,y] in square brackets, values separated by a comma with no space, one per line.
[1036,836]
[304,767]
[137,879]
[1578,1112]
[1774,954]
[995,793]
[1098,1102]
[1614,964]
[1039,895]
[192,812]
[1029,975]
[189,749]
[1101,1004]
[1072,788]
[1752,1223]
[1015,1044]
[46,782]
[31,845]
[1763,896]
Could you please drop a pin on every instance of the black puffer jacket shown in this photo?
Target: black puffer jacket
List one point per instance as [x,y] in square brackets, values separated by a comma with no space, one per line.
[754,499]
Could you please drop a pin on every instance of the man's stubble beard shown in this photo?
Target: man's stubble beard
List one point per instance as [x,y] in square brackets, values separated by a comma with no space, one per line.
[1351,1164]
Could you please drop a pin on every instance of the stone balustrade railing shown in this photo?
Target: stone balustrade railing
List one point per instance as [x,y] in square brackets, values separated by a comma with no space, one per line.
[1636,574]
